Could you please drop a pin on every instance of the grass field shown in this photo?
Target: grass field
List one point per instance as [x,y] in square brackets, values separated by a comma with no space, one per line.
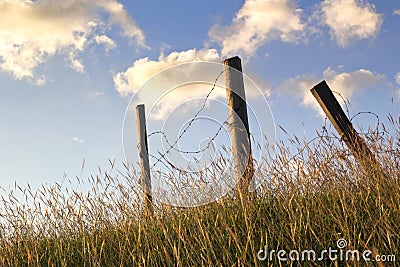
[316,195]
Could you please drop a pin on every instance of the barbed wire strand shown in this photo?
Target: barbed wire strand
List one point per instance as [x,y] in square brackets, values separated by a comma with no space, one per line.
[345,102]
[172,146]
[366,112]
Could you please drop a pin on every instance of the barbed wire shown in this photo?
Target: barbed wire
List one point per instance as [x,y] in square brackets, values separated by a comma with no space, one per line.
[345,102]
[171,146]
[194,151]
[162,158]
[366,112]
[330,136]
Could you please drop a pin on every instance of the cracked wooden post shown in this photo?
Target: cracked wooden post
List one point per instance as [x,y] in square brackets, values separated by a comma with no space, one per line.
[343,126]
[239,130]
[145,179]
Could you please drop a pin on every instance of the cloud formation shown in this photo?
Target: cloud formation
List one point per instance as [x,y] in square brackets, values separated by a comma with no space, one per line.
[106,41]
[398,78]
[396,12]
[344,83]
[77,140]
[350,20]
[256,23]
[134,77]
[32,31]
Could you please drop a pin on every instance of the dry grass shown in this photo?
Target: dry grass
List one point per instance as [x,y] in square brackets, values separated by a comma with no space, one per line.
[314,197]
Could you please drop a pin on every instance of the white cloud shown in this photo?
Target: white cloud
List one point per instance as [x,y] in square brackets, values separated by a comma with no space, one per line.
[106,41]
[41,80]
[119,16]
[32,31]
[75,63]
[256,23]
[77,140]
[176,87]
[396,12]
[168,84]
[134,77]
[344,83]
[397,76]
[350,20]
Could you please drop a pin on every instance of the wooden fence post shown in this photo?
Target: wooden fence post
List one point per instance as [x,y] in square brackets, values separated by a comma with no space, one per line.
[343,126]
[239,130]
[144,181]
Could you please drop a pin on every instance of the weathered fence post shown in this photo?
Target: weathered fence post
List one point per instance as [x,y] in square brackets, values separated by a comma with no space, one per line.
[144,181]
[239,130]
[343,126]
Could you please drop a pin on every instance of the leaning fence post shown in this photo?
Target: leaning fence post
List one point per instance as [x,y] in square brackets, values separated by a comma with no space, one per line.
[239,130]
[144,181]
[343,126]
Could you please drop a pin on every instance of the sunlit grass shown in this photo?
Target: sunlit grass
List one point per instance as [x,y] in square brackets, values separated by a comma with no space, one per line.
[310,199]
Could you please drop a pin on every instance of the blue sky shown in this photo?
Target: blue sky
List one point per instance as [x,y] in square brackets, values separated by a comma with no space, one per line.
[68,69]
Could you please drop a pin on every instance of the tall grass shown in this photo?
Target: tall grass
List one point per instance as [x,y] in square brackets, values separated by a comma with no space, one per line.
[312,197]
